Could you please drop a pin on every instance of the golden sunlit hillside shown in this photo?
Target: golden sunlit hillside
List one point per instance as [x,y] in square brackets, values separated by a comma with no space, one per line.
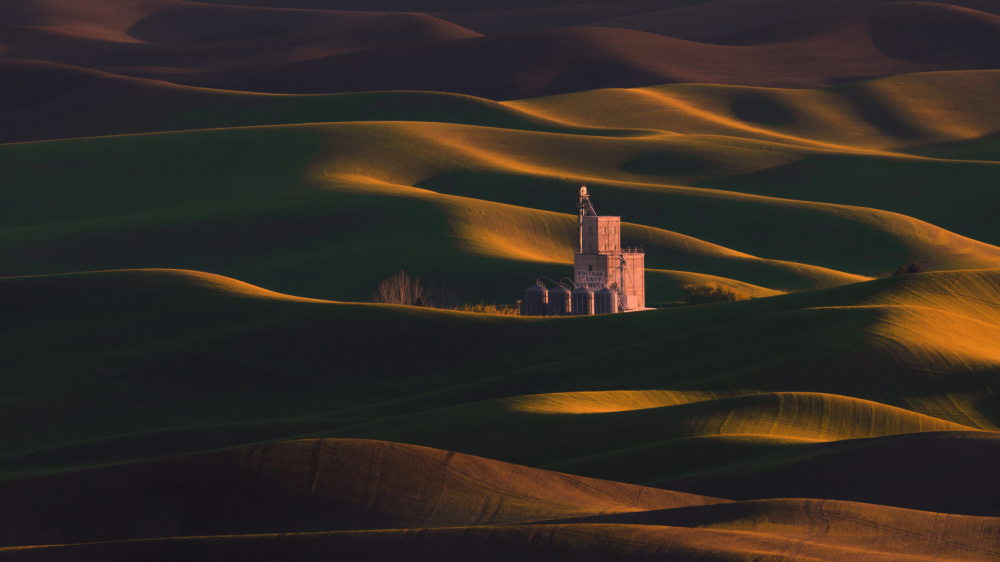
[270,276]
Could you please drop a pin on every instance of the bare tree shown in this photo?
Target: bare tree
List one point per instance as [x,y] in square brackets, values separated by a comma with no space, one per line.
[402,289]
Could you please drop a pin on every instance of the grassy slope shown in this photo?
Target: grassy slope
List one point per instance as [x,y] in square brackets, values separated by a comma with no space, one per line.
[305,498]
[287,206]
[733,539]
[41,100]
[170,192]
[315,485]
[474,193]
[201,362]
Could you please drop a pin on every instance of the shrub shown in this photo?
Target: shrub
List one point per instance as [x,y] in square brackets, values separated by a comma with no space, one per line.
[907,269]
[503,310]
[705,294]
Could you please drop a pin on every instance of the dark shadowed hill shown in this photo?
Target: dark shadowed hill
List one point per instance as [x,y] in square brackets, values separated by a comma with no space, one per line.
[302,486]
[725,21]
[576,59]
[321,50]
[374,500]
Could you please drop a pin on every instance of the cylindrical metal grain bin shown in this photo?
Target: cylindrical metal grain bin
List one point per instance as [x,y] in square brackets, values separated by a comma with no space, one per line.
[605,301]
[536,301]
[559,302]
[583,301]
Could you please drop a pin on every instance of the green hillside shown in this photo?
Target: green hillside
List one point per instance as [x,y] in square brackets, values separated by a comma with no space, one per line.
[137,364]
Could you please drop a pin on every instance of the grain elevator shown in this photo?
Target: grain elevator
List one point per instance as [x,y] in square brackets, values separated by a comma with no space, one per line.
[607,278]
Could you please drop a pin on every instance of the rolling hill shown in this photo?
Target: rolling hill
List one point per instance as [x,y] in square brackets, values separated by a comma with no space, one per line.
[462,506]
[282,50]
[199,198]
[484,183]
[823,392]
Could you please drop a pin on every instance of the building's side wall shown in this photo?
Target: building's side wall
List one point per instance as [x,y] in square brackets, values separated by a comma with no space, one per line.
[591,270]
[596,271]
[601,234]
[610,234]
[635,278]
